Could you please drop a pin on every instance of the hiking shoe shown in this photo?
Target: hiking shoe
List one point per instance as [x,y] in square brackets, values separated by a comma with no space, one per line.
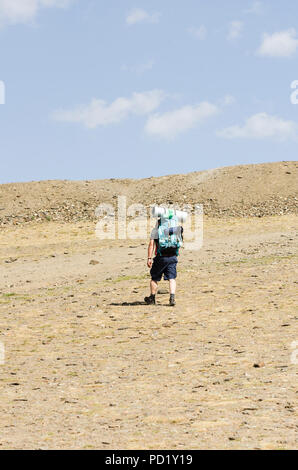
[150,300]
[172,300]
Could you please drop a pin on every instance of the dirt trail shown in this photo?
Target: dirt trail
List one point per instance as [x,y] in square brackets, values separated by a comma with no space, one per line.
[87,366]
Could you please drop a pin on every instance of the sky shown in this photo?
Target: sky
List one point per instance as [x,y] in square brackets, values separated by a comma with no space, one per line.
[91,89]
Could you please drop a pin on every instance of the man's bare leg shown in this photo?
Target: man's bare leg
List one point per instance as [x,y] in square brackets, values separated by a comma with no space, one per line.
[172,286]
[153,287]
[172,291]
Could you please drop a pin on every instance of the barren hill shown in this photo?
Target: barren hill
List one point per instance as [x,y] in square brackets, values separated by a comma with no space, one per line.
[239,191]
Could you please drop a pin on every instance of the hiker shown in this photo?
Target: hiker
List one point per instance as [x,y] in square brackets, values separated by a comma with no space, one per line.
[166,239]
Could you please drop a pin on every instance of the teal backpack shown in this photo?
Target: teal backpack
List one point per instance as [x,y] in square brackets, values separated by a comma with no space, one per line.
[169,234]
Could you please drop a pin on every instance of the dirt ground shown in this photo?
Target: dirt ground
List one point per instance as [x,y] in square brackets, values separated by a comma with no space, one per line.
[88,366]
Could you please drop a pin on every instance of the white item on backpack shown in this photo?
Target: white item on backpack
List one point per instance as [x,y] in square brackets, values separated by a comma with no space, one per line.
[166,213]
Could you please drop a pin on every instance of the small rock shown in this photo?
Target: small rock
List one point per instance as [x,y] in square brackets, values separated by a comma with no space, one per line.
[257,365]
[11,260]
[162,291]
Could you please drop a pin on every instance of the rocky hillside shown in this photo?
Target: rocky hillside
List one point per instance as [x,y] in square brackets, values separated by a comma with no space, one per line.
[239,191]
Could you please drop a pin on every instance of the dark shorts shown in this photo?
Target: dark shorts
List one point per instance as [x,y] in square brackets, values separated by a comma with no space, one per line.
[164,266]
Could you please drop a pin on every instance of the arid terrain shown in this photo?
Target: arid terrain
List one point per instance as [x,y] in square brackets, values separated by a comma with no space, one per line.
[88,365]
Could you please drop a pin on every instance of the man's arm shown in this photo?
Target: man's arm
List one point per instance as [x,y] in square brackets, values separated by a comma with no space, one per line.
[150,253]
[151,246]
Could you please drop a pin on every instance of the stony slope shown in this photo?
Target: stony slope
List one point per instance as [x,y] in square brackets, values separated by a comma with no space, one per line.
[239,191]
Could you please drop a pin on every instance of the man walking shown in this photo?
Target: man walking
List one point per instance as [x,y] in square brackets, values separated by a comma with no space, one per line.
[165,241]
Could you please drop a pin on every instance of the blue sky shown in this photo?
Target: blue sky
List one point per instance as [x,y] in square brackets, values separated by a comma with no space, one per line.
[98,89]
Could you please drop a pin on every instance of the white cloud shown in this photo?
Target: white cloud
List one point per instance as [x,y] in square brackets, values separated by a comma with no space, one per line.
[227,100]
[139,69]
[172,123]
[235,30]
[24,11]
[280,44]
[99,113]
[138,15]
[262,126]
[198,33]
[255,9]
